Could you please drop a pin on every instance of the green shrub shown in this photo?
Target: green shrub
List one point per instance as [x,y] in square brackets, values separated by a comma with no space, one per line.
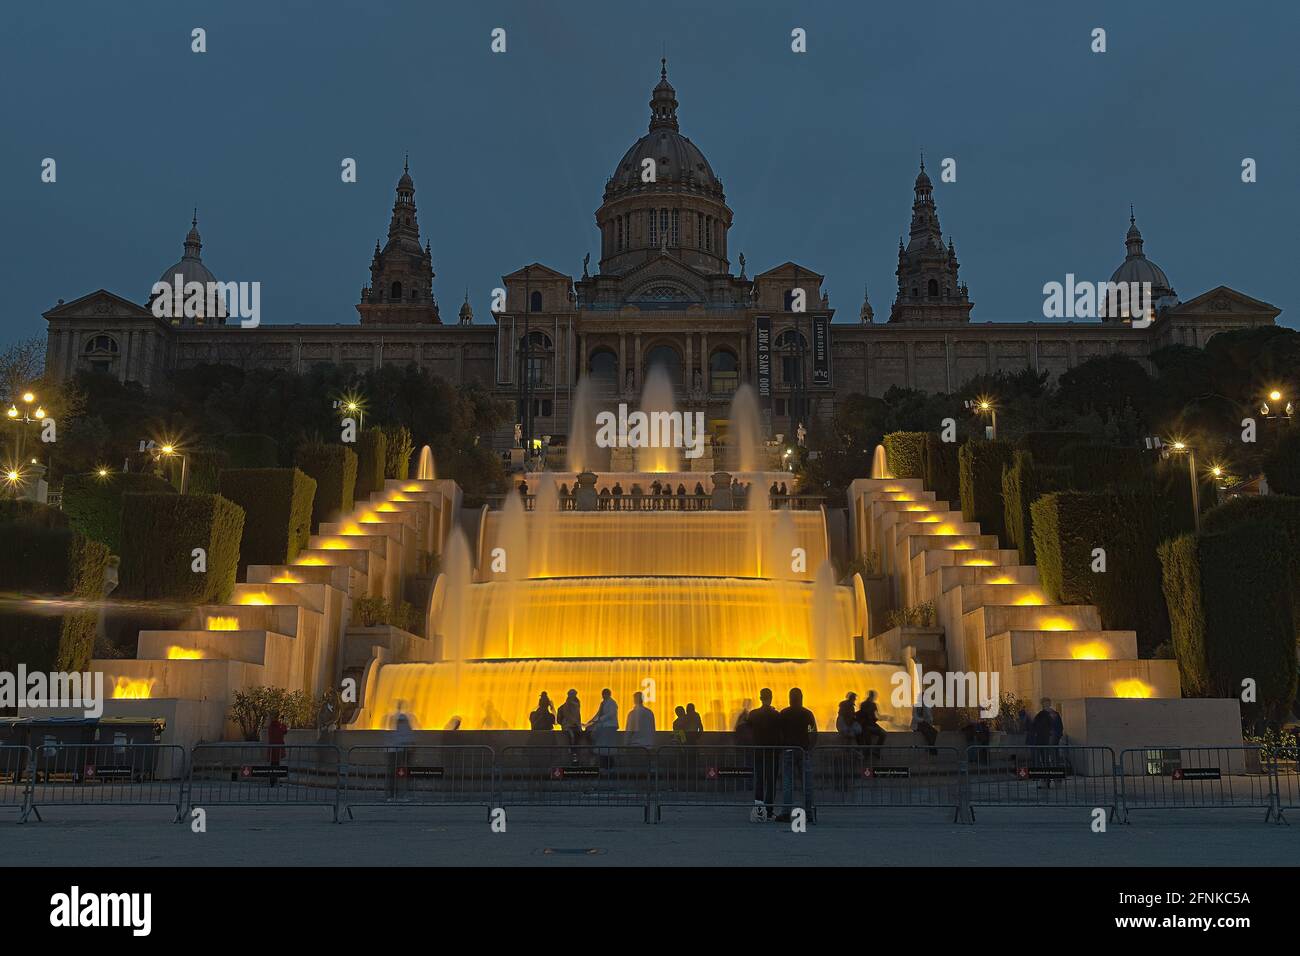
[400,448]
[980,465]
[277,512]
[370,611]
[1099,467]
[905,454]
[252,451]
[36,559]
[1278,511]
[1282,464]
[204,466]
[159,535]
[1045,447]
[334,468]
[1232,619]
[372,451]
[1069,525]
[942,470]
[23,511]
[94,504]
[1023,482]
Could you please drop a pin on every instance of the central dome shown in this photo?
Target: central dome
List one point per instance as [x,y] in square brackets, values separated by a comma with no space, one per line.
[677,160]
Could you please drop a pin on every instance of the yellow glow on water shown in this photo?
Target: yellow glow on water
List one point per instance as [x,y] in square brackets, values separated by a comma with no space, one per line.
[286,578]
[1132,687]
[222,624]
[177,653]
[1030,600]
[499,696]
[1056,624]
[311,561]
[133,688]
[257,599]
[1090,651]
[978,563]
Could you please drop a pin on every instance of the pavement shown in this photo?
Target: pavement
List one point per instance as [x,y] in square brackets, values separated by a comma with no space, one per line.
[404,836]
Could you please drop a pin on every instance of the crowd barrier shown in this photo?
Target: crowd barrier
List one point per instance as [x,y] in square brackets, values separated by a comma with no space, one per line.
[235,774]
[1036,777]
[423,776]
[16,779]
[1151,778]
[108,773]
[576,777]
[1197,778]
[879,778]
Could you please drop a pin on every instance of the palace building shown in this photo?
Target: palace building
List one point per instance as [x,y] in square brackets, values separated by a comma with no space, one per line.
[664,293]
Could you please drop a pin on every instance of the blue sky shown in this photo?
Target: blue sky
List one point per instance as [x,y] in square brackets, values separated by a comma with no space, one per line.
[510,152]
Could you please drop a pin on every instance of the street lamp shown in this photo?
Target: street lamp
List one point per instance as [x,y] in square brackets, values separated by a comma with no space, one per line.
[1273,407]
[168,450]
[984,405]
[1180,447]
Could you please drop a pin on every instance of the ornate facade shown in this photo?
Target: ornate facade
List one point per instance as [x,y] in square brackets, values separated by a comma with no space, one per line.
[664,294]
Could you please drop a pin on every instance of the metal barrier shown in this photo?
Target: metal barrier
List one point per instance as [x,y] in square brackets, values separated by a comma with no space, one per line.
[725,776]
[1286,777]
[888,777]
[108,773]
[421,776]
[1036,777]
[1197,778]
[575,777]
[16,768]
[264,775]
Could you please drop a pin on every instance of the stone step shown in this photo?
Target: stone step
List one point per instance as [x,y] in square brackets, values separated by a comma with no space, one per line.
[945,579]
[967,637]
[929,561]
[951,542]
[208,679]
[1025,647]
[315,597]
[290,619]
[340,576]
[1065,679]
[250,646]
[967,597]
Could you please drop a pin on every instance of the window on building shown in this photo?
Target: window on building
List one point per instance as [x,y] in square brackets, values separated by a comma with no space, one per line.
[535,302]
[395,292]
[708,233]
[675,235]
[724,372]
[620,233]
[663,222]
[542,408]
[654,228]
[781,407]
[699,230]
[666,358]
[934,289]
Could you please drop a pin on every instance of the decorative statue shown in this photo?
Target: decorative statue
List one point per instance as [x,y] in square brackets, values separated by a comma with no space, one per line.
[586,261]
[742,265]
[801,433]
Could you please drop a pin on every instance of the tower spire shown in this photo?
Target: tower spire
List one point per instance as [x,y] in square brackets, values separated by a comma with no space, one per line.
[663,101]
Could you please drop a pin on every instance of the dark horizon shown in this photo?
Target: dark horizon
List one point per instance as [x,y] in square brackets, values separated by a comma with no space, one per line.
[817,152]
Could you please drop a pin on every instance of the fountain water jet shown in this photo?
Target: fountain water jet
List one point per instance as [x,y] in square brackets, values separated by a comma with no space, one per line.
[746,432]
[657,397]
[425,470]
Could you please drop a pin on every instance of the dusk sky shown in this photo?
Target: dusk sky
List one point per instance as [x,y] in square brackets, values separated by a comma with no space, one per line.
[510,152]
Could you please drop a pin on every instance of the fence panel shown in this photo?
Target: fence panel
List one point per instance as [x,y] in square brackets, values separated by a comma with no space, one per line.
[420,776]
[887,777]
[1286,776]
[255,774]
[16,779]
[726,776]
[108,773]
[1021,776]
[1196,778]
[575,777]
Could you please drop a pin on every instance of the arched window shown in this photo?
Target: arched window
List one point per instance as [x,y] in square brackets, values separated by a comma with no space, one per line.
[395,293]
[665,357]
[539,354]
[934,289]
[724,372]
[102,343]
[793,347]
[654,227]
[603,366]
[100,352]
[535,302]
[619,226]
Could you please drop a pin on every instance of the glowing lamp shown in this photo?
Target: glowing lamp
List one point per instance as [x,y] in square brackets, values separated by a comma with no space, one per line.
[177,653]
[1132,687]
[1090,651]
[223,624]
[133,688]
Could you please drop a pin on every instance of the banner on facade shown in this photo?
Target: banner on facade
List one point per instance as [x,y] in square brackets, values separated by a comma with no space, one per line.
[763,339]
[821,350]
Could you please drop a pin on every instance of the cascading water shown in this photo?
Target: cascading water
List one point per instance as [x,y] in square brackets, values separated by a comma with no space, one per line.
[580,453]
[746,432]
[657,398]
[425,470]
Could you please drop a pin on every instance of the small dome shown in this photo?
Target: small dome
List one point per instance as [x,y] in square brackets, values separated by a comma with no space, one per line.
[190,267]
[1136,267]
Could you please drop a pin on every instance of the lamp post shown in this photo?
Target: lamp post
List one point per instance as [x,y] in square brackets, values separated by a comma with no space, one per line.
[1178,447]
[1276,407]
[985,406]
[171,451]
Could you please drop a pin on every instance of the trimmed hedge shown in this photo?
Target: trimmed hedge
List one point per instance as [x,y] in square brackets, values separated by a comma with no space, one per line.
[334,468]
[1023,483]
[372,451]
[1046,447]
[980,465]
[397,457]
[277,512]
[25,511]
[1068,525]
[159,535]
[1099,467]
[1282,464]
[942,469]
[905,454]
[252,451]
[94,505]
[1230,606]
[40,559]
[1278,511]
[205,467]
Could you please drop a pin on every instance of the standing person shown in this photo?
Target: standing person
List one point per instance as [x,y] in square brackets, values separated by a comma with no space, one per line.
[603,727]
[872,732]
[275,731]
[694,725]
[743,733]
[679,724]
[543,718]
[403,735]
[570,719]
[765,722]
[923,724]
[640,728]
[1048,730]
[846,723]
[799,733]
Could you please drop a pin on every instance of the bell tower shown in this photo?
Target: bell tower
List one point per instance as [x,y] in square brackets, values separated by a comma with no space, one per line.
[401,273]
